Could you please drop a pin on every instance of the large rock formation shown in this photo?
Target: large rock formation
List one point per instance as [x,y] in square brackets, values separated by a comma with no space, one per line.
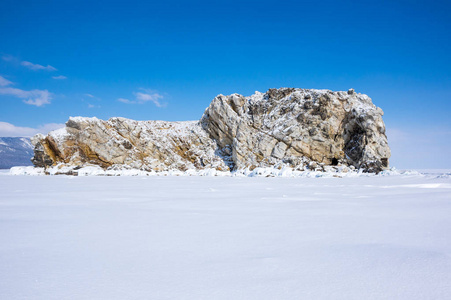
[299,128]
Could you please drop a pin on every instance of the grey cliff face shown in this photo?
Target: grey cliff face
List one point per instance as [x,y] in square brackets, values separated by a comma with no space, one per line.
[283,127]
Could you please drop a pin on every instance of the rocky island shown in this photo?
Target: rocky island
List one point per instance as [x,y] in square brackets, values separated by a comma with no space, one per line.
[304,129]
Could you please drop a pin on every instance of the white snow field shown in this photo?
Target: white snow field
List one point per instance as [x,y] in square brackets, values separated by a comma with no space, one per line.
[380,237]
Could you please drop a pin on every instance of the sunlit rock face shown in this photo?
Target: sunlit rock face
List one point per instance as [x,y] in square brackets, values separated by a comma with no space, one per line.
[299,128]
[119,142]
[292,125]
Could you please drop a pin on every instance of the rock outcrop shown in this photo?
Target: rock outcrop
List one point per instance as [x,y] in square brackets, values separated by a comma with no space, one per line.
[120,142]
[299,128]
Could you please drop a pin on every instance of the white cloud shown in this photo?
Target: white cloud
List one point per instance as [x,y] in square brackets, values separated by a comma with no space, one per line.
[10,130]
[154,97]
[36,67]
[123,100]
[89,95]
[29,65]
[33,97]
[148,96]
[4,81]
[60,77]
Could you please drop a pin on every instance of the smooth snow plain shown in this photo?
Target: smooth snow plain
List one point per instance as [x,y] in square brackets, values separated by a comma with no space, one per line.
[386,237]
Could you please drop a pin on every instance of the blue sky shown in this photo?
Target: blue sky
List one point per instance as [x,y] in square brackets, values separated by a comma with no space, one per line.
[167,60]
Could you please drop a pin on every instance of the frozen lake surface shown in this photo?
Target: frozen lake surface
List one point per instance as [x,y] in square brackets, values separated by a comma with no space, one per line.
[225,237]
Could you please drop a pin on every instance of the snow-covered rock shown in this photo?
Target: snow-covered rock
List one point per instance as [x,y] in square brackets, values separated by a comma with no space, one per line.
[120,142]
[298,126]
[283,128]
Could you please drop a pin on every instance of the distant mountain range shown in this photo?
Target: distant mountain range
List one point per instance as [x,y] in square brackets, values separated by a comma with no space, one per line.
[15,151]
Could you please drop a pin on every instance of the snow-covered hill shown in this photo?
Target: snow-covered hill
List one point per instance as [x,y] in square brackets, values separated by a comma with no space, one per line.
[15,151]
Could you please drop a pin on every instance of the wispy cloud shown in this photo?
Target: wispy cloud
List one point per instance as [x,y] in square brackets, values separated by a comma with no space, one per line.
[33,97]
[4,81]
[60,77]
[146,96]
[36,67]
[8,58]
[123,100]
[10,130]
[154,97]
[89,95]
[29,65]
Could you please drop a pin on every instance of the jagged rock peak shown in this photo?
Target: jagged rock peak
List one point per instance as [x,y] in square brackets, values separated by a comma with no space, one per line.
[300,128]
